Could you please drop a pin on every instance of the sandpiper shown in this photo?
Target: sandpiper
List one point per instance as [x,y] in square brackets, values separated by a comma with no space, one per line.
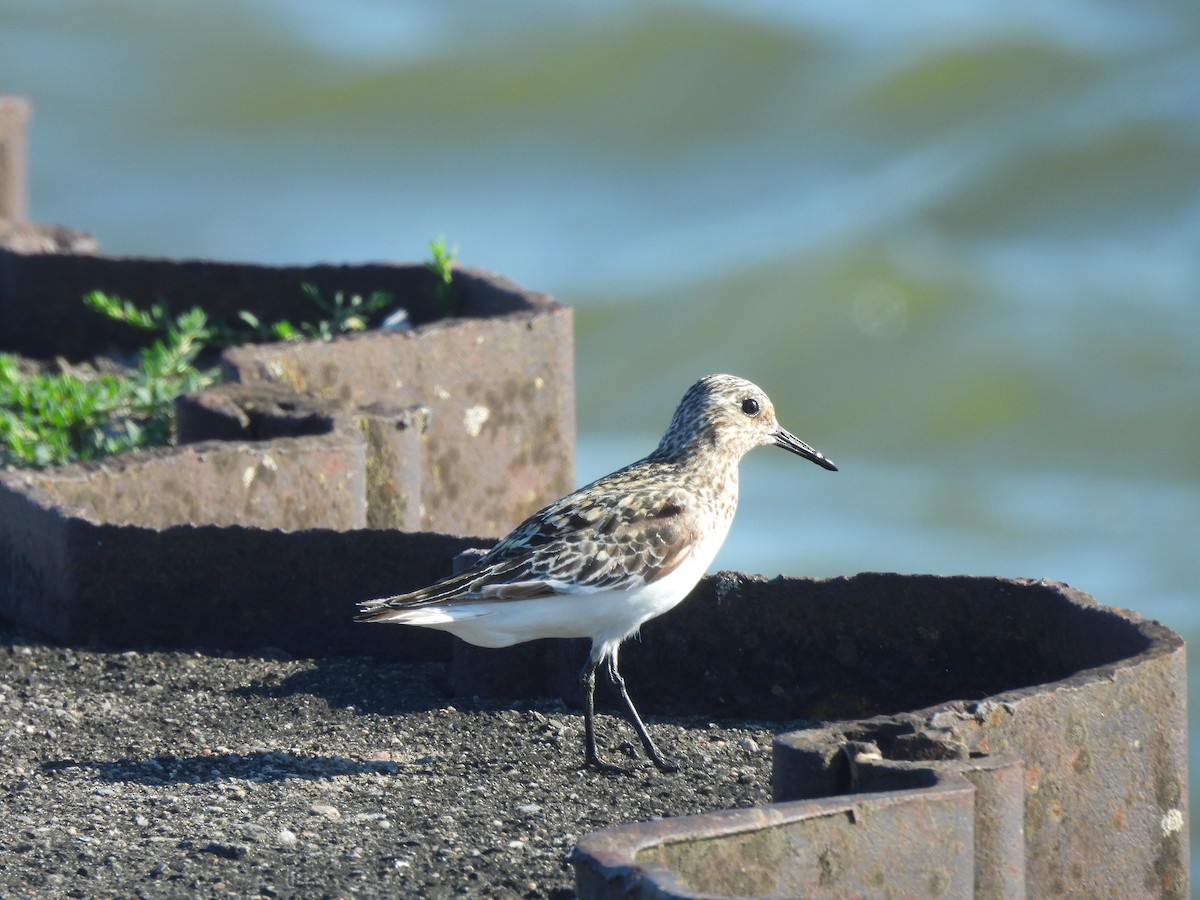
[614,554]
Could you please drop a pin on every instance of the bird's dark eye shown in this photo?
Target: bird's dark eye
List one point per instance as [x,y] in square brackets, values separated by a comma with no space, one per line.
[750,406]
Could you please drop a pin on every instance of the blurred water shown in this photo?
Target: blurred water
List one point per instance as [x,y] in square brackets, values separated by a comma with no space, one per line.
[958,242]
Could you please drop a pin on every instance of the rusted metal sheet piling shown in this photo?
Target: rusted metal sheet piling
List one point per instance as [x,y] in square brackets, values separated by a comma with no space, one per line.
[14,158]
[372,440]
[1057,724]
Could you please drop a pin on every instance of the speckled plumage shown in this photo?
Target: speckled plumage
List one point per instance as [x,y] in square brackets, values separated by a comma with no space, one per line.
[617,552]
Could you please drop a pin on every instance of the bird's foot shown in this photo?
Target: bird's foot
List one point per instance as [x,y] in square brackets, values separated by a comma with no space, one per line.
[664,765]
[600,764]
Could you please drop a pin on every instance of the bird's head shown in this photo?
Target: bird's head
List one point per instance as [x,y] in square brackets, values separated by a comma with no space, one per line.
[730,415]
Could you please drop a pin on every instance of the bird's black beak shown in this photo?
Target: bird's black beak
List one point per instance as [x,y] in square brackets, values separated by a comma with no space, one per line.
[788,441]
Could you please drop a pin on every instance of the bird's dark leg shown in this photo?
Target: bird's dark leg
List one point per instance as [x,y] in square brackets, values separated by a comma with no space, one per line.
[663,764]
[587,679]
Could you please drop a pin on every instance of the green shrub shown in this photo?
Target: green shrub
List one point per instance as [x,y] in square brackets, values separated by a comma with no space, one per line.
[48,419]
[442,266]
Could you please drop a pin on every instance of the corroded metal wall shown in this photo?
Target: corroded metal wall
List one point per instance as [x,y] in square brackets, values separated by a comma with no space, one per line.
[460,426]
[1064,720]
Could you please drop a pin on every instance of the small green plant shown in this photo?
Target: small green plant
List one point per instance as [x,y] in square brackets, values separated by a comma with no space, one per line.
[121,310]
[343,315]
[442,266]
[48,419]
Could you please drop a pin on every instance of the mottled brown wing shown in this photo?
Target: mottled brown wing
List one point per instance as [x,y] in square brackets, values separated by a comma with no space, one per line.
[631,527]
[591,541]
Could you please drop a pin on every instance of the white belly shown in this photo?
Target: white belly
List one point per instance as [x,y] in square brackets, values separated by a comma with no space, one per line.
[607,617]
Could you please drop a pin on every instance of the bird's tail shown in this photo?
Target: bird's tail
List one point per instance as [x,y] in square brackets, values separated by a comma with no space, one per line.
[379,611]
[417,607]
[398,608]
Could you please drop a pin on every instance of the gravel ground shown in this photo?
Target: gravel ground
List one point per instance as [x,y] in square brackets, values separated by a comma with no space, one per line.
[206,774]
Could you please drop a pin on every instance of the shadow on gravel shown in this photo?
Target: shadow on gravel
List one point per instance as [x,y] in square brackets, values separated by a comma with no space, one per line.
[362,685]
[260,767]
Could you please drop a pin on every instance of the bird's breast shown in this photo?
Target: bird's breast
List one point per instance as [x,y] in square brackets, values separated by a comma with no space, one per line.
[656,597]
